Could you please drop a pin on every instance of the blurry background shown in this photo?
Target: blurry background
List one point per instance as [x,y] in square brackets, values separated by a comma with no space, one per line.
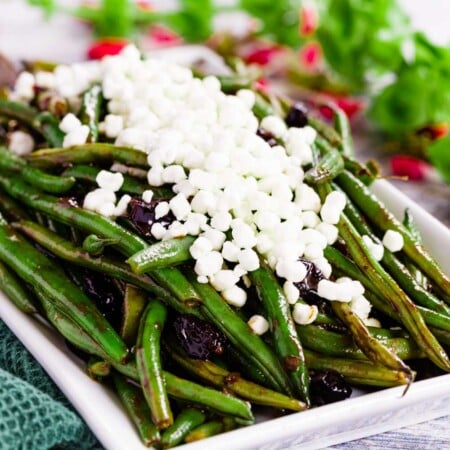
[24,33]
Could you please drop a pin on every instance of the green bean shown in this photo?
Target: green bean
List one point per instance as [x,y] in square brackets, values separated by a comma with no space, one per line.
[90,111]
[348,268]
[48,124]
[386,286]
[170,278]
[148,361]
[247,367]
[341,345]
[416,273]
[161,254]
[11,209]
[185,422]
[219,402]
[89,174]
[18,111]
[410,225]
[358,372]
[70,330]
[204,431]
[176,387]
[396,269]
[238,332]
[375,350]
[383,284]
[233,382]
[137,408]
[329,133]
[69,252]
[385,220]
[442,336]
[134,302]
[364,173]
[286,341]
[37,270]
[95,245]
[191,392]
[15,291]
[230,84]
[262,108]
[49,183]
[329,167]
[342,126]
[434,318]
[88,154]
[410,285]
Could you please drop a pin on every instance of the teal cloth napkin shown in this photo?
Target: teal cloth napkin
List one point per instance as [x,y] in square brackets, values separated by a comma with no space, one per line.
[34,414]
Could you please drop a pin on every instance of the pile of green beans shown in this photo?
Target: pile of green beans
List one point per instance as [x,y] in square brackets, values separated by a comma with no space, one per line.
[171,396]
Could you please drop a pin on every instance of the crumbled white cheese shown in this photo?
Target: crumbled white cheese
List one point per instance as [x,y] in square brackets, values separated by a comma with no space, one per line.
[393,240]
[342,290]
[78,136]
[258,324]
[291,292]
[361,306]
[147,196]
[109,180]
[332,208]
[24,86]
[234,192]
[20,143]
[113,125]
[235,296]
[304,314]
[376,250]
[69,123]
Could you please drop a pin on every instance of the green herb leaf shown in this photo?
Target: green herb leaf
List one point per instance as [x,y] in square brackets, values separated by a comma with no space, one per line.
[439,155]
[194,19]
[358,36]
[279,19]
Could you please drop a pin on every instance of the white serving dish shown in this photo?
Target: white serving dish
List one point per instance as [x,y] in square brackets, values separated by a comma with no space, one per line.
[360,416]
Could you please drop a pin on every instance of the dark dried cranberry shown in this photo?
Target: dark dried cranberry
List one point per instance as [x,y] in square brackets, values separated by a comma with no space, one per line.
[198,338]
[268,137]
[142,215]
[106,296]
[308,287]
[328,386]
[297,116]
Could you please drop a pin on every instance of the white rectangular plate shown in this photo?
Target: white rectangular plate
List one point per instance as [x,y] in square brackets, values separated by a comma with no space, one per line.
[357,417]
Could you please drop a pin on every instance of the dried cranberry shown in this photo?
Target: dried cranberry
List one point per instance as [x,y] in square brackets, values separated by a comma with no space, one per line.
[268,137]
[142,215]
[297,116]
[198,338]
[328,386]
[106,296]
[308,287]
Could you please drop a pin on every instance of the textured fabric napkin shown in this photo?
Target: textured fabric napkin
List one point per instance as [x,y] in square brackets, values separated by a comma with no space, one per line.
[34,414]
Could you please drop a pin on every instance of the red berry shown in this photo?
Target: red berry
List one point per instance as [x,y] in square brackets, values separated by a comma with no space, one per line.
[106,47]
[408,166]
